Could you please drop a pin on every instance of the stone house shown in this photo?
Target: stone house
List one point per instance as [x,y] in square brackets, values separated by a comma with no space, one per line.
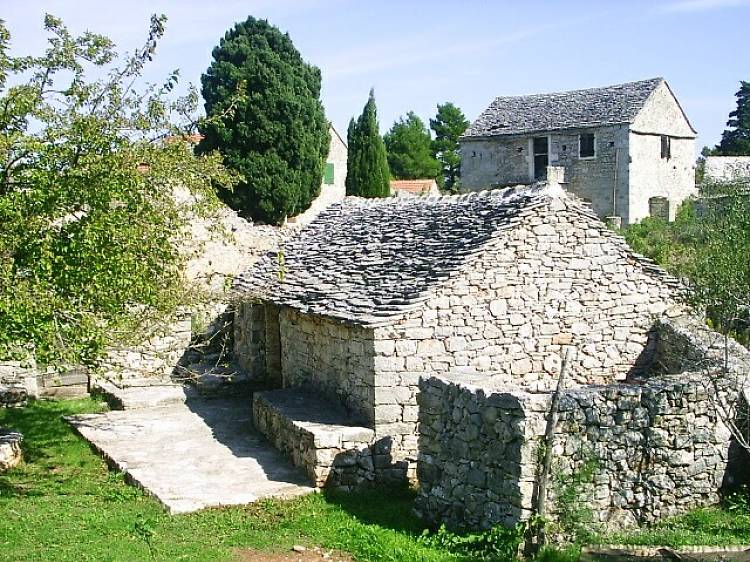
[375,294]
[628,150]
[414,188]
[333,188]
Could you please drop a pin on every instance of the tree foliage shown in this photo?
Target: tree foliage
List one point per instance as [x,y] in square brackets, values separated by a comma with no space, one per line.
[89,225]
[277,135]
[367,172]
[708,248]
[449,124]
[735,141]
[409,149]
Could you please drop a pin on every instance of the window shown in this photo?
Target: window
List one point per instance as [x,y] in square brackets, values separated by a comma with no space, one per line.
[541,158]
[328,174]
[586,145]
[666,147]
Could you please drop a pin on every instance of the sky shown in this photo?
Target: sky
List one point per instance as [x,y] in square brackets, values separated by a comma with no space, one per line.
[417,54]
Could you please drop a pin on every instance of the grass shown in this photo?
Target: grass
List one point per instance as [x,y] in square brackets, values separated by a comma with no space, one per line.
[63,504]
[715,526]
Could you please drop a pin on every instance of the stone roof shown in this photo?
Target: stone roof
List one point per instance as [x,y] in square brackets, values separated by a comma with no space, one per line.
[563,110]
[370,261]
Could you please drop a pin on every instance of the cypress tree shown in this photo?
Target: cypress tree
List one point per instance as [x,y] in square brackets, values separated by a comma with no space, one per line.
[274,133]
[735,141]
[367,167]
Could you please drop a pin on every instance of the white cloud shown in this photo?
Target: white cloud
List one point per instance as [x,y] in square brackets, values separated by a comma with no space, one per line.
[420,49]
[689,6]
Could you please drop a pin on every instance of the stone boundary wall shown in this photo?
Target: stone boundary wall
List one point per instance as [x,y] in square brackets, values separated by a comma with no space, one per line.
[18,383]
[152,359]
[655,449]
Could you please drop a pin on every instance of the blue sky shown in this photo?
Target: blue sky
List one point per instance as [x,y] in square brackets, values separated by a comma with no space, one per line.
[417,54]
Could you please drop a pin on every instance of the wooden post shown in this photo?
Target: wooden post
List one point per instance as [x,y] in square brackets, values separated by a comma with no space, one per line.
[548,443]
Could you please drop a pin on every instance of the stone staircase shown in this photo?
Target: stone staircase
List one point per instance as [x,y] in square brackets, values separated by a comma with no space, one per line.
[317,436]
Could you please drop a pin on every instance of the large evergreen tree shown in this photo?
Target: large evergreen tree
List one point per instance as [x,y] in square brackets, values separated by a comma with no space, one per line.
[409,148]
[367,166]
[276,134]
[735,141]
[448,125]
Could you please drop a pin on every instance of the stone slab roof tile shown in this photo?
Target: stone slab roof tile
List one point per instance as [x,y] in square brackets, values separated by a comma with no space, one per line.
[563,110]
[366,261]
[370,261]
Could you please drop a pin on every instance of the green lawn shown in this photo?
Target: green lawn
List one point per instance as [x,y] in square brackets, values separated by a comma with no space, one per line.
[63,504]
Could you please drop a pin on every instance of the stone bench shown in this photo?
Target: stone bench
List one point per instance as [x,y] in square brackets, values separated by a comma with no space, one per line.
[317,436]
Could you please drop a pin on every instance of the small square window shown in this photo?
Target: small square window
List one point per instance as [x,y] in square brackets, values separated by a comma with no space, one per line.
[586,145]
[666,147]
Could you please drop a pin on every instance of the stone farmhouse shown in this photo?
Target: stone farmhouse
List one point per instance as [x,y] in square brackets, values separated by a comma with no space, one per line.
[376,294]
[628,150]
[333,187]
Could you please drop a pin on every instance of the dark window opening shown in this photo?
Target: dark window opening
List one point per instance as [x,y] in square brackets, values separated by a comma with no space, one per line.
[586,145]
[541,158]
[666,147]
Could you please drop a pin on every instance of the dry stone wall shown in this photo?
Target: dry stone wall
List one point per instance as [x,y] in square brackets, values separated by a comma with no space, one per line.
[154,358]
[654,450]
[18,383]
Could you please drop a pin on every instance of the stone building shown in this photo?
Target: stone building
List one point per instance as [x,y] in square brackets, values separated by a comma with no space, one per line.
[628,150]
[333,188]
[375,294]
[414,188]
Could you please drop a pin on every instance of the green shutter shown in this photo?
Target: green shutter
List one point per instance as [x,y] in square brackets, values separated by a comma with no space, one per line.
[328,175]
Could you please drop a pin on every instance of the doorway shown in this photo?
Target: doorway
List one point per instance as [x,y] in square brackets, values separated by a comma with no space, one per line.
[541,158]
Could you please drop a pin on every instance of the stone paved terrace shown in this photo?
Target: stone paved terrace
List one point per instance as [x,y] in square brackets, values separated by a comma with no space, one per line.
[193,455]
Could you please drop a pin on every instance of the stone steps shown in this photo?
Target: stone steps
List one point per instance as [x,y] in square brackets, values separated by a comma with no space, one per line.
[317,436]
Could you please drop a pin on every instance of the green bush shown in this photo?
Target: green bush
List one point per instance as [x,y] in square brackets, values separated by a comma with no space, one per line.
[89,225]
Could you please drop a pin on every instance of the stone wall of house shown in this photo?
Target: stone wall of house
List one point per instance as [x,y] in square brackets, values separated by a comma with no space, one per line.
[331,358]
[653,176]
[650,174]
[559,279]
[329,193]
[637,452]
[508,160]
[495,162]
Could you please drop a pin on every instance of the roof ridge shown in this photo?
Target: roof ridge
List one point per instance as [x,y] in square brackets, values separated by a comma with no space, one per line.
[656,79]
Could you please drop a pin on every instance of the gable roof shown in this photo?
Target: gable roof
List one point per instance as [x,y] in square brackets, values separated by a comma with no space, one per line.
[417,187]
[370,261]
[593,107]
